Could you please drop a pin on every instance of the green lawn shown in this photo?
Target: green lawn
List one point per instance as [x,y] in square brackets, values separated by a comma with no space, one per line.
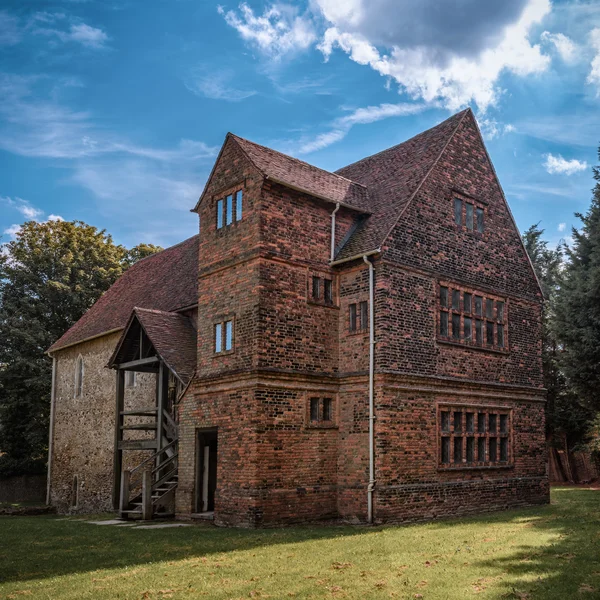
[545,552]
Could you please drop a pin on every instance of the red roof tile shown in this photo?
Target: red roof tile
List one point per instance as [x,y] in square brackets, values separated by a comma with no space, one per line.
[307,178]
[164,281]
[392,177]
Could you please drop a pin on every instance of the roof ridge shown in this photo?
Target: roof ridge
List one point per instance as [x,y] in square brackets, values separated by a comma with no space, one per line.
[404,142]
[294,158]
[156,311]
[137,262]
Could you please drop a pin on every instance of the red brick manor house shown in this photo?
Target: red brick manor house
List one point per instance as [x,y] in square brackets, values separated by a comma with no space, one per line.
[362,345]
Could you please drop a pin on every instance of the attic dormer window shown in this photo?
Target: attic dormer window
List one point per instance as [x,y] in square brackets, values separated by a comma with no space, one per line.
[229,209]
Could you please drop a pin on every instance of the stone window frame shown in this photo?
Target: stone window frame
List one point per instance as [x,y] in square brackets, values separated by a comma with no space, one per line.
[320,422]
[222,321]
[79,377]
[220,204]
[478,205]
[446,429]
[498,321]
[320,300]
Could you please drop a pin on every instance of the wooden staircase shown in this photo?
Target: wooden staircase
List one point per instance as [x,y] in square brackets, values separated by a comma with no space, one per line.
[148,490]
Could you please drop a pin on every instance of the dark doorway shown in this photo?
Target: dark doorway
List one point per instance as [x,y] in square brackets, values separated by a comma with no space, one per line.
[206,470]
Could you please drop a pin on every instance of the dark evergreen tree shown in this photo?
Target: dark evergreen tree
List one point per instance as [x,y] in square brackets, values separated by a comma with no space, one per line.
[49,276]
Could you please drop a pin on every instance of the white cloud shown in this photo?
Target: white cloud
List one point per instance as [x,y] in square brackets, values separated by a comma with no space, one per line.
[340,127]
[559,165]
[23,206]
[12,230]
[216,86]
[279,30]
[594,74]
[566,48]
[54,218]
[453,74]
[562,226]
[87,35]
[492,129]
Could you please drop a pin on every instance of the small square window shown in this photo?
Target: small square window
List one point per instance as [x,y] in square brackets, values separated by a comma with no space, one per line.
[316,287]
[446,450]
[444,324]
[481,449]
[489,309]
[504,449]
[455,300]
[458,211]
[327,409]
[457,422]
[470,422]
[470,449]
[364,314]
[468,328]
[444,297]
[328,291]
[455,326]
[467,302]
[480,422]
[445,421]
[469,214]
[489,333]
[353,319]
[493,423]
[218,337]
[238,205]
[478,332]
[219,214]
[503,423]
[228,335]
[478,306]
[479,214]
[493,449]
[499,311]
[458,449]
[314,409]
[500,335]
[229,213]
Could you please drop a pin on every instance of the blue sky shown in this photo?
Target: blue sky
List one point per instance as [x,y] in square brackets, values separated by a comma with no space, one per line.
[113,112]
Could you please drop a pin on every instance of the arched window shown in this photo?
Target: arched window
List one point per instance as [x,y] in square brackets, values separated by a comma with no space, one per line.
[79,377]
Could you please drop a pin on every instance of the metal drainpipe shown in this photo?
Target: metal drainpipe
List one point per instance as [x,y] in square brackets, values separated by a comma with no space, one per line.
[371,485]
[337,207]
[51,432]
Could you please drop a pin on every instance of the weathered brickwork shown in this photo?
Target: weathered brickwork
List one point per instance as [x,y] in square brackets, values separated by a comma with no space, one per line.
[276,463]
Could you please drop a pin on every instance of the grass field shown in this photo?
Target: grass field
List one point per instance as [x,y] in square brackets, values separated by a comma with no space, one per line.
[549,552]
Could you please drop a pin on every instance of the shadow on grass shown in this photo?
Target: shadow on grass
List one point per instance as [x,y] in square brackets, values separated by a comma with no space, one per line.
[567,564]
[42,547]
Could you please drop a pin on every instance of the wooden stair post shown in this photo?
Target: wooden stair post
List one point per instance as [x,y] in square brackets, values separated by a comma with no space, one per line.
[147,495]
[124,500]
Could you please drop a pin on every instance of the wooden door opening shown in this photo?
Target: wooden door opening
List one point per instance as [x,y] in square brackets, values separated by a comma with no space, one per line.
[206,470]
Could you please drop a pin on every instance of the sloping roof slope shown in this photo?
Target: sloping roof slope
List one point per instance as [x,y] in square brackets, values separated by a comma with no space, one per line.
[392,177]
[164,281]
[173,337]
[299,175]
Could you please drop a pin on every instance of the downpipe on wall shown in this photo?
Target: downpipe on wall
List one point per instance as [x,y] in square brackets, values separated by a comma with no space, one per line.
[337,207]
[371,486]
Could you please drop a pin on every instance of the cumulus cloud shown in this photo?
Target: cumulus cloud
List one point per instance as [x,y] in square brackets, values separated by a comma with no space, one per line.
[492,129]
[281,29]
[562,226]
[435,64]
[30,212]
[559,165]
[566,48]
[433,51]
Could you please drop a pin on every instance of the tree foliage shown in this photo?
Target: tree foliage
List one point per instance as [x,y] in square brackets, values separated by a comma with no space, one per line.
[49,276]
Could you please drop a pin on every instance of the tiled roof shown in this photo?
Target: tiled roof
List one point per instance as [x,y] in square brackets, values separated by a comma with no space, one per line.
[392,177]
[164,281]
[304,177]
[173,337]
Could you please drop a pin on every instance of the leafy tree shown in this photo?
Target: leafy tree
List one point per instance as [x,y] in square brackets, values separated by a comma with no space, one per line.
[140,251]
[49,276]
[577,318]
[564,413]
